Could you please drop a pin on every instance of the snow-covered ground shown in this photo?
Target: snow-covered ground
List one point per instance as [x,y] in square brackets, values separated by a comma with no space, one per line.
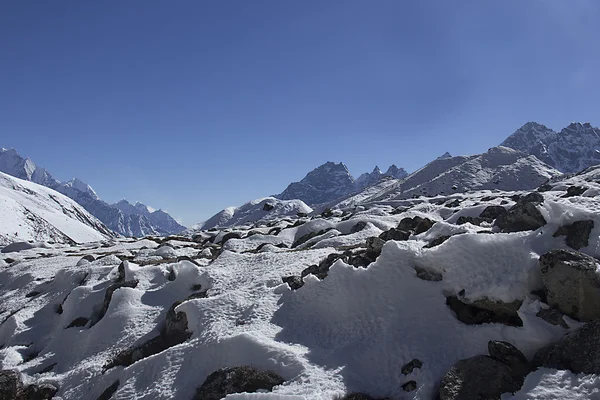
[353,331]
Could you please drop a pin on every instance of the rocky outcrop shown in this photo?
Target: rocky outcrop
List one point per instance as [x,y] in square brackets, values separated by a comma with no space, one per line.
[578,233]
[572,283]
[523,216]
[485,311]
[11,386]
[243,379]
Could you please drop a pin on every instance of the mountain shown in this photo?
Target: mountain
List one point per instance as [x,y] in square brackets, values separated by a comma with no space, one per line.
[31,212]
[368,179]
[499,168]
[573,149]
[256,211]
[328,182]
[137,222]
[395,172]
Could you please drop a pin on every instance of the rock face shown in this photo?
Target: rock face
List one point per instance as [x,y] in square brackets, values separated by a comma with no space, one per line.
[11,387]
[236,380]
[508,354]
[477,378]
[571,150]
[578,351]
[572,283]
[523,216]
[578,233]
[485,311]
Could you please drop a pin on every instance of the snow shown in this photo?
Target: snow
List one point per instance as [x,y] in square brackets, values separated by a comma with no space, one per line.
[550,384]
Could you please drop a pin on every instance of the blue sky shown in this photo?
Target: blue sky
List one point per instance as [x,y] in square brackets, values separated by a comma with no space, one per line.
[192,106]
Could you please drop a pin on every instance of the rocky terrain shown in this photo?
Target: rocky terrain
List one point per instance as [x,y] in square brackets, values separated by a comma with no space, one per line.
[467,295]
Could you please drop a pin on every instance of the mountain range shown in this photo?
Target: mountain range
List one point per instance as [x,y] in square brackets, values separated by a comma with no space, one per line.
[137,221]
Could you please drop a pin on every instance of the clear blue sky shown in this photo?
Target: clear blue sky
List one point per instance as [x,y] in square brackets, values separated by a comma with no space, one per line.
[192,106]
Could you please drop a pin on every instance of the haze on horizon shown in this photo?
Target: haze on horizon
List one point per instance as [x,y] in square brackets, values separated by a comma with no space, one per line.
[195,106]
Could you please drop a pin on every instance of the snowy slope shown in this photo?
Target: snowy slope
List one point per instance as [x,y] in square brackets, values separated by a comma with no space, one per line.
[256,211]
[31,212]
[499,168]
[353,330]
[135,222]
[573,149]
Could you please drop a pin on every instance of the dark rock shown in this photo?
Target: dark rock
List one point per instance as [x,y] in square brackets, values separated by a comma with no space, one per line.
[89,257]
[471,220]
[301,214]
[427,275]
[108,296]
[409,367]
[176,326]
[107,394]
[78,322]
[274,231]
[321,270]
[437,241]
[9,260]
[33,294]
[577,351]
[187,258]
[294,282]
[268,207]
[508,354]
[552,316]
[305,238]
[416,224]
[478,378]
[360,259]
[485,311]
[327,213]
[453,204]
[11,386]
[572,283]
[504,202]
[523,216]
[236,380]
[575,191]
[545,188]
[121,271]
[374,245]
[359,396]
[359,226]
[230,235]
[490,213]
[394,234]
[409,386]
[399,210]
[45,391]
[578,233]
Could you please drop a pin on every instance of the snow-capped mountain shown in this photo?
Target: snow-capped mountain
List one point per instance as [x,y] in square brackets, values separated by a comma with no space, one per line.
[140,221]
[499,168]
[31,212]
[573,149]
[396,172]
[372,178]
[256,211]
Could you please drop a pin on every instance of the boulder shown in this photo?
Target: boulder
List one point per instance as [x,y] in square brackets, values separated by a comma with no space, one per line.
[572,283]
[416,225]
[575,191]
[268,207]
[485,311]
[11,386]
[471,220]
[578,351]
[230,235]
[578,233]
[409,367]
[523,216]
[394,234]
[508,354]
[45,391]
[294,282]
[375,245]
[490,213]
[108,296]
[478,378]
[409,386]
[552,316]
[359,226]
[243,379]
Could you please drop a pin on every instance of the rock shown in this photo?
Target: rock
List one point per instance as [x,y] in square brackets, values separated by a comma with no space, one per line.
[417,225]
[327,213]
[552,316]
[359,226]
[9,260]
[409,367]
[121,271]
[107,394]
[294,282]
[305,238]
[575,191]
[89,257]
[428,275]
[508,354]
[399,210]
[471,220]
[572,283]
[577,351]
[108,296]
[78,322]
[360,259]
[523,216]
[544,187]
[274,231]
[394,234]
[578,233]
[187,258]
[230,235]
[45,391]
[452,204]
[321,270]
[490,213]
[11,386]
[176,326]
[268,207]
[374,245]
[478,378]
[485,311]
[237,380]
[409,386]
[437,241]
[359,396]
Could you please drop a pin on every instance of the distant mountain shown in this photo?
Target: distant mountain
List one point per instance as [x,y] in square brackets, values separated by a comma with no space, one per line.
[138,221]
[573,149]
[395,172]
[260,210]
[32,212]
[500,168]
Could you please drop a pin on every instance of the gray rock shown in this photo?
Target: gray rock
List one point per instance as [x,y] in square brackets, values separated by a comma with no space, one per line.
[375,244]
[236,380]
[394,234]
[478,378]
[508,354]
[575,191]
[230,235]
[409,367]
[578,351]
[11,386]
[523,216]
[45,391]
[108,296]
[490,213]
[416,225]
[294,282]
[409,386]
[578,233]
[485,311]
[428,275]
[359,226]
[437,241]
[268,207]
[572,283]
[471,220]
[552,316]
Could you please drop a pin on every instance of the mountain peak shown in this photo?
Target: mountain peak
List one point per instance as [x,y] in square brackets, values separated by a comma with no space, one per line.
[444,156]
